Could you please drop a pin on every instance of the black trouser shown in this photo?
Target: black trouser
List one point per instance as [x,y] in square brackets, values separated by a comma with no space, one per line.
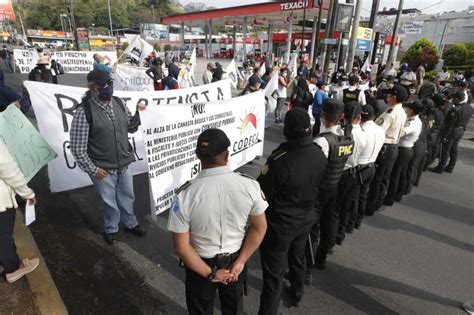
[279,106]
[317,124]
[367,173]
[433,151]
[346,190]
[8,257]
[200,294]
[328,219]
[450,149]
[277,249]
[398,179]
[378,188]
[415,166]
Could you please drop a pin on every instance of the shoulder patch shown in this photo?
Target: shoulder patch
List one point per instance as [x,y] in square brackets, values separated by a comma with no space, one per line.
[265,169]
[245,175]
[277,154]
[183,187]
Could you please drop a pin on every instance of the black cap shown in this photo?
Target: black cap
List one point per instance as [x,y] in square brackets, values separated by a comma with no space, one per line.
[352,109]
[297,123]
[417,106]
[368,111]
[332,106]
[459,95]
[254,80]
[99,77]
[212,142]
[398,91]
[353,79]
[428,103]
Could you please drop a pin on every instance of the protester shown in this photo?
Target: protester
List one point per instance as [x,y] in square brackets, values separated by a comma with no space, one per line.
[155,72]
[290,179]
[392,122]
[173,69]
[218,73]
[185,78]
[319,97]
[420,74]
[282,86]
[99,143]
[443,76]
[41,72]
[215,249]
[56,70]
[12,182]
[337,75]
[252,86]
[6,55]
[337,91]
[100,63]
[455,125]
[301,96]
[303,70]
[336,145]
[207,76]
[408,78]
[408,136]
[267,76]
[9,96]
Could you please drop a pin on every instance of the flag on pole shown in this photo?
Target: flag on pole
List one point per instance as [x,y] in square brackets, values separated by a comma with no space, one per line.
[293,64]
[262,70]
[232,73]
[271,93]
[193,61]
[138,48]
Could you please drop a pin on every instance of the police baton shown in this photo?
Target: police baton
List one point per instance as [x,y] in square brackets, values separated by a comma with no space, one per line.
[311,251]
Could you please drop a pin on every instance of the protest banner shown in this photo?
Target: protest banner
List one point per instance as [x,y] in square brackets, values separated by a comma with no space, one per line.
[171,132]
[129,78]
[271,93]
[55,105]
[138,48]
[30,151]
[72,61]
[231,73]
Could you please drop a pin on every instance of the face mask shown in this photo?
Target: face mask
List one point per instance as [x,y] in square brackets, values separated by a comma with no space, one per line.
[323,126]
[326,89]
[105,93]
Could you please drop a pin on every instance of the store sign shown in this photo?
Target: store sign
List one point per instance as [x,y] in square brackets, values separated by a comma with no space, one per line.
[344,17]
[409,28]
[293,5]
[363,44]
[365,33]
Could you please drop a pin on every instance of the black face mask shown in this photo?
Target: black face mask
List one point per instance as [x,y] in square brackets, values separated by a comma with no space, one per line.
[106,92]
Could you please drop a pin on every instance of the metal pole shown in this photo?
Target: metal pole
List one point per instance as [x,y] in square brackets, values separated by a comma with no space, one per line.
[329,33]
[210,38]
[391,53]
[182,33]
[353,42]
[318,30]
[288,44]
[72,23]
[22,28]
[441,42]
[270,45]
[313,43]
[110,19]
[304,22]
[342,53]
[234,39]
[244,39]
[206,39]
[373,19]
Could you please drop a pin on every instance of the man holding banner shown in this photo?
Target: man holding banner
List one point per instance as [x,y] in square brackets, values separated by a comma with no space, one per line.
[99,143]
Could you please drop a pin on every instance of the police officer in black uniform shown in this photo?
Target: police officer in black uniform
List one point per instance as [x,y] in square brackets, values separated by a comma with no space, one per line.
[351,94]
[455,126]
[290,180]
[434,135]
[337,146]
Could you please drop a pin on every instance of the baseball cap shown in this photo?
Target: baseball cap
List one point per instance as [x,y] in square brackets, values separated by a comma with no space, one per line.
[398,91]
[416,106]
[367,110]
[99,77]
[254,80]
[297,123]
[332,106]
[212,142]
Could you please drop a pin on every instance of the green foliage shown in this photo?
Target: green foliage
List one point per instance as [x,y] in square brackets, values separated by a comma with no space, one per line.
[168,47]
[44,14]
[422,52]
[456,55]
[157,47]
[430,74]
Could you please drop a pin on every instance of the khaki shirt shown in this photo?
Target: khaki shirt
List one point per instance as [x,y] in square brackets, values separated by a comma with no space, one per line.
[215,209]
[392,122]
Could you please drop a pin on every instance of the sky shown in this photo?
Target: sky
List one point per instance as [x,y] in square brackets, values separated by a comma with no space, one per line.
[435,6]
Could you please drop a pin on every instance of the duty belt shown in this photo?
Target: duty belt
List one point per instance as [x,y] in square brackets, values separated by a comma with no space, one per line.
[221,261]
[364,167]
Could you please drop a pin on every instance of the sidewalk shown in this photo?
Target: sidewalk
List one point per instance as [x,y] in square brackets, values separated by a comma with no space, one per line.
[36,293]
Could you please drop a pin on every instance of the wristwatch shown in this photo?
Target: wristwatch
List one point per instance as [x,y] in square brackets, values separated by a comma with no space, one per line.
[212,276]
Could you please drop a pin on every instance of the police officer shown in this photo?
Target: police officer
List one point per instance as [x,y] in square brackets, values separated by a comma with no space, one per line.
[366,171]
[434,135]
[409,135]
[348,189]
[392,122]
[353,93]
[290,179]
[455,126]
[337,146]
[208,217]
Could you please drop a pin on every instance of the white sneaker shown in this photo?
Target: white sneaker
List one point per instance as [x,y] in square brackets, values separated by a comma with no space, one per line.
[26,266]
[468,307]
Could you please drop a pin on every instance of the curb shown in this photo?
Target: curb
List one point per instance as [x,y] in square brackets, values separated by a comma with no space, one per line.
[46,295]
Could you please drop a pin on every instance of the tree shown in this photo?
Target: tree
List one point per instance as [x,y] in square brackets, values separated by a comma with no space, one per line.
[195,7]
[456,55]
[422,52]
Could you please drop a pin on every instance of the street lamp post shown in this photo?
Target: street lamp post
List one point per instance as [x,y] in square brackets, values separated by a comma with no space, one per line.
[110,19]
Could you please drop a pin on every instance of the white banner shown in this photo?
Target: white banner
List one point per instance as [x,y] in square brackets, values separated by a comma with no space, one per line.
[271,93]
[138,48]
[55,105]
[72,61]
[171,132]
[130,78]
[231,73]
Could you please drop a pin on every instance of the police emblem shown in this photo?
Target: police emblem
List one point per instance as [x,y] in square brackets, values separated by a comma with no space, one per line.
[265,170]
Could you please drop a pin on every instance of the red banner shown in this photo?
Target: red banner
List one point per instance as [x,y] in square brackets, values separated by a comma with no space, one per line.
[6,10]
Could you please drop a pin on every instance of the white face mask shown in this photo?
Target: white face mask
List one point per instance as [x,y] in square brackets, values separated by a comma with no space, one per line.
[323,126]
[326,88]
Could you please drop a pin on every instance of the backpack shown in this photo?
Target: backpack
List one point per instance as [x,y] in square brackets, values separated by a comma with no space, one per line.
[88,112]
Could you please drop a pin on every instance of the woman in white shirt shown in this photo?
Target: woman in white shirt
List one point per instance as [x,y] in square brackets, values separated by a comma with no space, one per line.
[12,182]
[282,86]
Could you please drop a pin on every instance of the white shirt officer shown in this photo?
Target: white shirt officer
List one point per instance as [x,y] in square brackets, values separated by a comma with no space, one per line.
[360,142]
[392,120]
[375,140]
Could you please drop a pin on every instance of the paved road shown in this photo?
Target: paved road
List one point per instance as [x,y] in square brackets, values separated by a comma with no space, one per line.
[414,257]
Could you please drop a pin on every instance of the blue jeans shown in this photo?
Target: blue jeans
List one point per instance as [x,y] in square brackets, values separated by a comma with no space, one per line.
[116,192]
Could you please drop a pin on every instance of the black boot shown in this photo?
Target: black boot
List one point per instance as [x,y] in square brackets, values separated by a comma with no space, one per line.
[437,169]
[320,259]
